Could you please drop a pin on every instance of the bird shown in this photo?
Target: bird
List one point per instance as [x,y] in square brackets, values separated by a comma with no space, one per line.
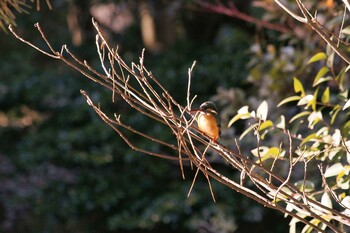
[208,120]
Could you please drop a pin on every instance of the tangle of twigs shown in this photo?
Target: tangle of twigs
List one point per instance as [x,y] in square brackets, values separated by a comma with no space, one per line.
[142,91]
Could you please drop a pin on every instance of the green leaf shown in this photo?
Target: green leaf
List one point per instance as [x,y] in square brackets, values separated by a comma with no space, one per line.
[309,138]
[298,86]
[306,100]
[321,80]
[346,30]
[307,187]
[275,152]
[242,113]
[318,57]
[299,115]
[324,70]
[347,125]
[326,96]
[266,124]
[334,112]
[314,100]
[289,99]
[340,77]
[247,131]
[238,117]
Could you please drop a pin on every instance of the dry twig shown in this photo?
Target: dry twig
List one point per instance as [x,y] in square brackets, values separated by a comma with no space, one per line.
[142,91]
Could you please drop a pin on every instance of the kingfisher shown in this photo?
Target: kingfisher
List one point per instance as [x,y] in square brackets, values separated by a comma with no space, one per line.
[208,120]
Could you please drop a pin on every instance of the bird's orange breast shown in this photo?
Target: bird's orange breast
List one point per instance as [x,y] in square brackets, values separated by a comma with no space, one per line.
[207,124]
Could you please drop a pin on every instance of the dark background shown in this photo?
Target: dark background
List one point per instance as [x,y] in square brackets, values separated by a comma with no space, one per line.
[63,170]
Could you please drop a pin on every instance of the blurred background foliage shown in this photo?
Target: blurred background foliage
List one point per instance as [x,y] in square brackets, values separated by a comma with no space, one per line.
[63,170]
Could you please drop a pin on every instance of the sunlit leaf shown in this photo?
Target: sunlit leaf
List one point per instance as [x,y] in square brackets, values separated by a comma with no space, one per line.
[266,124]
[346,30]
[314,118]
[307,186]
[321,80]
[282,123]
[326,200]
[262,111]
[307,229]
[311,137]
[346,105]
[318,57]
[333,170]
[336,137]
[322,131]
[346,201]
[335,112]
[289,99]
[344,94]
[275,152]
[326,96]
[243,110]
[314,100]
[305,100]
[243,113]
[298,87]
[343,178]
[238,117]
[324,70]
[260,151]
[340,77]
[247,131]
[299,115]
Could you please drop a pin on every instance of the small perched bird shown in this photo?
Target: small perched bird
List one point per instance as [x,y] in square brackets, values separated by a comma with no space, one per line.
[208,120]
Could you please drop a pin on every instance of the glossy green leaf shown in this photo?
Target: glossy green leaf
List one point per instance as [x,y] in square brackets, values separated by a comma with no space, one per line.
[306,100]
[314,118]
[347,125]
[299,115]
[242,113]
[266,124]
[318,57]
[340,77]
[298,87]
[334,112]
[313,102]
[326,96]
[289,99]
[238,117]
[275,152]
[321,80]
[324,70]
[309,138]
